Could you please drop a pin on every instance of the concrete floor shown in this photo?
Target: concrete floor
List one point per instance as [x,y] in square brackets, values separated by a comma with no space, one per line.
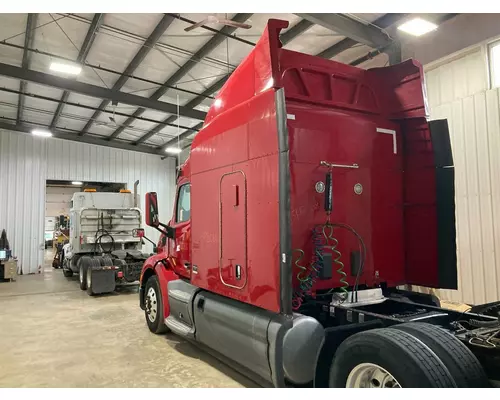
[52,334]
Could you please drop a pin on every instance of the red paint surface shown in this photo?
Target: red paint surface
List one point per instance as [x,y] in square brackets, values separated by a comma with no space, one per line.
[163,270]
[336,111]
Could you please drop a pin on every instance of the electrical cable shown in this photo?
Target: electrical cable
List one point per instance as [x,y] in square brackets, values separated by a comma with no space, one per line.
[307,276]
[338,255]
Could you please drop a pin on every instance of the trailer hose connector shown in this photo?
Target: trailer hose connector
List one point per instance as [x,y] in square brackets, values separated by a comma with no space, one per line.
[332,244]
[307,275]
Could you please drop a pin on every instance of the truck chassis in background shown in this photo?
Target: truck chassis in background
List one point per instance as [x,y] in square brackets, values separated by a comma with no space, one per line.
[105,240]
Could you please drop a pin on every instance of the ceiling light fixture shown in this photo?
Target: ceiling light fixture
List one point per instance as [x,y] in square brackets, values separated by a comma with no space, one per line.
[41,132]
[77,183]
[173,150]
[417,27]
[65,68]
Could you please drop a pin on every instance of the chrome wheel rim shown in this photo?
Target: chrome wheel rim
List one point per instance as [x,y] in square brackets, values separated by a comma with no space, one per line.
[368,375]
[81,274]
[151,304]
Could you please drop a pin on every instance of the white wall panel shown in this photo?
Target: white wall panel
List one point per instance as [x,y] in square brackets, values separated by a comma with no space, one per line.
[27,162]
[458,92]
[58,200]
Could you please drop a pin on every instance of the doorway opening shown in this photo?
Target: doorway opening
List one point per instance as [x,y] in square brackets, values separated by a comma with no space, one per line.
[58,195]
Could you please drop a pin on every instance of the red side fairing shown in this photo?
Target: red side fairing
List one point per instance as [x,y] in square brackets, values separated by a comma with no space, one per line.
[235,204]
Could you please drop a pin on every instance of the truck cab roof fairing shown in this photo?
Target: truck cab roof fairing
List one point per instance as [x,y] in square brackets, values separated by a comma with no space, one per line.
[259,71]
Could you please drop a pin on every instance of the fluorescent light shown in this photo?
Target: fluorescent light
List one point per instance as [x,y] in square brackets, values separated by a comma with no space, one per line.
[173,150]
[417,27]
[65,68]
[41,132]
[77,183]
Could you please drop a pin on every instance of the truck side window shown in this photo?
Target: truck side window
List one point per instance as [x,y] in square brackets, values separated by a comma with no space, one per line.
[184,203]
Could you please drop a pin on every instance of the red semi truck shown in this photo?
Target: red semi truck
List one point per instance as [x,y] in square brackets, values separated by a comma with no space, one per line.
[314,192]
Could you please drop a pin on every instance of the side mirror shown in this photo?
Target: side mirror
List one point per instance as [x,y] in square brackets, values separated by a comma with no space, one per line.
[152,218]
[138,232]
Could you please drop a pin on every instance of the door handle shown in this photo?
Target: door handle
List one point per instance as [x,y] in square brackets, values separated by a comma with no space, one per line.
[187,265]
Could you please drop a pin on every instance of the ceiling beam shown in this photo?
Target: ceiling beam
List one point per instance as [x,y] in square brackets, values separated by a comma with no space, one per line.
[193,103]
[394,49]
[79,105]
[383,22]
[212,44]
[82,55]
[89,139]
[86,89]
[28,41]
[342,24]
[148,45]
[298,29]
[94,66]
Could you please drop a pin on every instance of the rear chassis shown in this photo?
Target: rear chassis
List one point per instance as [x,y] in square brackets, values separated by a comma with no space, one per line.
[107,271]
[401,307]
[300,351]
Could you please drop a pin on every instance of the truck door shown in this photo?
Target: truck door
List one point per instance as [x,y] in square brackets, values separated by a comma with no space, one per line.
[179,247]
[233,230]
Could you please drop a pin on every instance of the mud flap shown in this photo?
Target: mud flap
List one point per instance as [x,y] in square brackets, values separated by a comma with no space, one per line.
[103,281]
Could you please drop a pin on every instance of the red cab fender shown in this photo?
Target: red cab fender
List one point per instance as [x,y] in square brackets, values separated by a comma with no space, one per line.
[160,266]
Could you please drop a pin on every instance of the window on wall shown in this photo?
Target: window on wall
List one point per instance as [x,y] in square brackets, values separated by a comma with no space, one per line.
[495,64]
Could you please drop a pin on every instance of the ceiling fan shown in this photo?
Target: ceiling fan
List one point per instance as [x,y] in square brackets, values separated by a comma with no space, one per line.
[212,19]
[113,123]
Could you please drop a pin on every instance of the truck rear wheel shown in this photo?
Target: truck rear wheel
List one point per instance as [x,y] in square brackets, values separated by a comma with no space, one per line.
[89,282]
[83,265]
[458,359]
[387,358]
[153,310]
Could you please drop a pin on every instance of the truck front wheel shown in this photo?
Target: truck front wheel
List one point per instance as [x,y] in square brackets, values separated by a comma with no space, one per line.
[387,358]
[153,310]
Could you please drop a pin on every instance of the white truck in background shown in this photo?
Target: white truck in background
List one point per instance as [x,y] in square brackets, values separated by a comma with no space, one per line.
[105,241]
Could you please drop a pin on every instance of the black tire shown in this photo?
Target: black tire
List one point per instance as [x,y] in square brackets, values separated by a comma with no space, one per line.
[118,262]
[90,292]
[463,365]
[67,273]
[407,359]
[157,324]
[83,265]
[106,261]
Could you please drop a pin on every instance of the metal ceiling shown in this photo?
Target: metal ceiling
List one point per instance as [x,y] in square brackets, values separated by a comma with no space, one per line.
[146,84]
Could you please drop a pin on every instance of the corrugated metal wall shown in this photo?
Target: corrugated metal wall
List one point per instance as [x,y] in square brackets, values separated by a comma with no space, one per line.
[458,91]
[26,162]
